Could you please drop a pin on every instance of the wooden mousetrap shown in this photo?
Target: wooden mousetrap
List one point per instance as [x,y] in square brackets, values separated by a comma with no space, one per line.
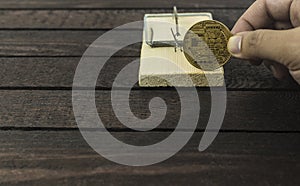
[162,36]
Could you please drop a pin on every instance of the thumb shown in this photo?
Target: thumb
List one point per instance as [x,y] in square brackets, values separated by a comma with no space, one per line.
[262,44]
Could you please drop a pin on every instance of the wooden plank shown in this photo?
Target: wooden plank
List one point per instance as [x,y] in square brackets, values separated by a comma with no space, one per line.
[59,72]
[59,43]
[246,110]
[103,4]
[63,157]
[94,19]
[47,43]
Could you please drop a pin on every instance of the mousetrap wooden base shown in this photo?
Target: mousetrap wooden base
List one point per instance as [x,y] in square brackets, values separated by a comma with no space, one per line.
[152,73]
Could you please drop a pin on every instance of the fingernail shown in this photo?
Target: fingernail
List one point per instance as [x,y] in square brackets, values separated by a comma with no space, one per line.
[235,44]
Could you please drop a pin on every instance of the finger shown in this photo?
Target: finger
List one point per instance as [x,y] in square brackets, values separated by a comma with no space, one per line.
[296,75]
[279,10]
[295,13]
[279,71]
[262,14]
[280,46]
[283,25]
[255,17]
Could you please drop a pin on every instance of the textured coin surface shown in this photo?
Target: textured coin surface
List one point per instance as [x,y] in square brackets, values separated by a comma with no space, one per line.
[205,45]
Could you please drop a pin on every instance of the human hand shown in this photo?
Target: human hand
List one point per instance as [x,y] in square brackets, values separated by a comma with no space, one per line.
[269,32]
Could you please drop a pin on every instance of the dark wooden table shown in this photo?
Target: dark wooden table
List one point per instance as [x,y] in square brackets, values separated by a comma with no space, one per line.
[41,44]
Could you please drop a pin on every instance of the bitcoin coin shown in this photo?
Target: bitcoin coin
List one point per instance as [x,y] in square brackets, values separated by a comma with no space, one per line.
[205,45]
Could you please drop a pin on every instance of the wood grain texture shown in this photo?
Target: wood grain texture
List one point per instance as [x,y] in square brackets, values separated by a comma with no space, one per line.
[41,44]
[59,72]
[246,110]
[62,43]
[47,43]
[104,4]
[94,19]
[64,158]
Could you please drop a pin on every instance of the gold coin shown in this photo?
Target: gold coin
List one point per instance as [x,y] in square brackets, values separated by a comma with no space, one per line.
[205,45]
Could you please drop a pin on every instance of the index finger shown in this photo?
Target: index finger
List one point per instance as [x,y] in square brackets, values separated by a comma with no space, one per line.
[262,14]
